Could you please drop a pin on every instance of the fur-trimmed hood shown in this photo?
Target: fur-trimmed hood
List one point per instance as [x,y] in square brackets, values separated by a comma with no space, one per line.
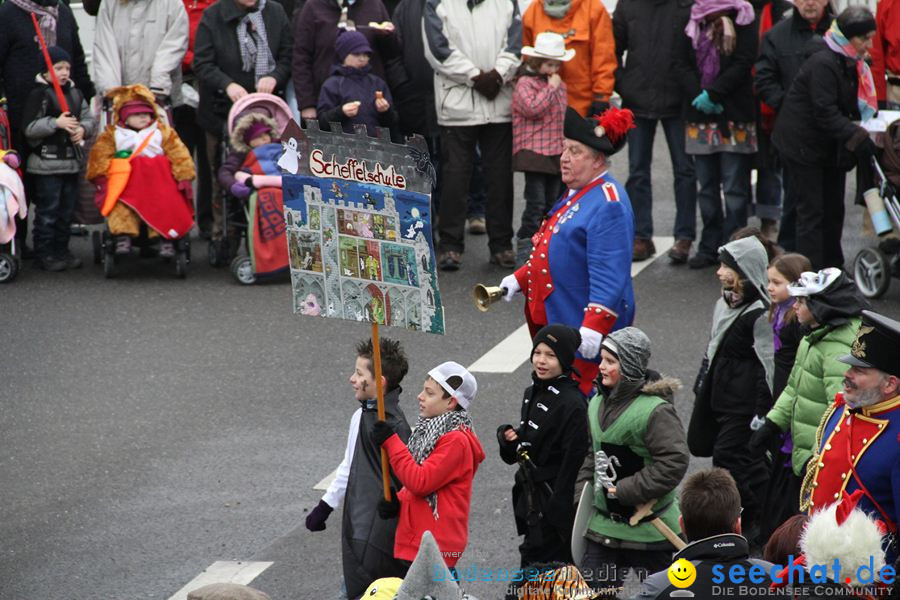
[243,122]
[127,93]
[664,387]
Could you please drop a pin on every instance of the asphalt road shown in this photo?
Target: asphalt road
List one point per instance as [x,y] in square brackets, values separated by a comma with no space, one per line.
[150,427]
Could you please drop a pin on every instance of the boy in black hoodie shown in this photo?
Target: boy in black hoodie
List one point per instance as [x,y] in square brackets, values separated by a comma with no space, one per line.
[549,445]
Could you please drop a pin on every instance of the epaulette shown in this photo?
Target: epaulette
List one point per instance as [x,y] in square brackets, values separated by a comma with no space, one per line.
[610,191]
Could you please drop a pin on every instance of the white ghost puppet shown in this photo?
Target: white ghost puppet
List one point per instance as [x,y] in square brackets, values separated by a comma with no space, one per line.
[290,159]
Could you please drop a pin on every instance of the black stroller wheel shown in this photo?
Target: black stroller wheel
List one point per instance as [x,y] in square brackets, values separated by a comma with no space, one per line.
[9,268]
[181,262]
[242,270]
[109,266]
[872,272]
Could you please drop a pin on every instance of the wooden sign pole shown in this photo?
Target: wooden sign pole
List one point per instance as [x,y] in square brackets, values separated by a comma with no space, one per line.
[379,388]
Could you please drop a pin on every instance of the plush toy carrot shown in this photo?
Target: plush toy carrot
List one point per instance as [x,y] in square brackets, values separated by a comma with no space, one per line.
[117,175]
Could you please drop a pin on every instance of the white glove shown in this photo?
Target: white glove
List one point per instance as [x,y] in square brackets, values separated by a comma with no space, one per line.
[512,287]
[757,422]
[590,342]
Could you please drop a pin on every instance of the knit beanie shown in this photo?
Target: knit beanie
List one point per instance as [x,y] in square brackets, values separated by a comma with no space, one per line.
[256,129]
[58,55]
[563,340]
[632,347]
[351,42]
[135,107]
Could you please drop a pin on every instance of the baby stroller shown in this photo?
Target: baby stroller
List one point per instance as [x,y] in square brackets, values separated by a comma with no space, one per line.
[12,202]
[259,219]
[104,243]
[874,267]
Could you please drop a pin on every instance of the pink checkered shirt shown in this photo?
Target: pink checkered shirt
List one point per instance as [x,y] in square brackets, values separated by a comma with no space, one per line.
[537,116]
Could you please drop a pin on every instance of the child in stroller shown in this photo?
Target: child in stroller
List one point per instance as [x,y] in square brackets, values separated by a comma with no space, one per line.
[143,173]
[12,206]
[250,173]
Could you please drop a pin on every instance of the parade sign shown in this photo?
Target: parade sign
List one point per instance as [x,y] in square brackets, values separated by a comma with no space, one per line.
[358,216]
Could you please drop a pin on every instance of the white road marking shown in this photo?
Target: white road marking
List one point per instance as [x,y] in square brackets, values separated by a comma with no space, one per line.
[510,353]
[224,571]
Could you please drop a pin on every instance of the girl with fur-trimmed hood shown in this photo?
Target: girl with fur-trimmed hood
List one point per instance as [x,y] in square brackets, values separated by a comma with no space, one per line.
[638,455]
[251,131]
[158,190]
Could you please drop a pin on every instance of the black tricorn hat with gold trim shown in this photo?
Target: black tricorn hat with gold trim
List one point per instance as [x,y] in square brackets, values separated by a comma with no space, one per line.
[877,344]
[604,132]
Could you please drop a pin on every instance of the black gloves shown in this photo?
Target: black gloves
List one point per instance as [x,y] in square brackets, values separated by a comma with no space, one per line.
[865,151]
[598,107]
[381,431]
[488,83]
[315,520]
[763,438]
[388,509]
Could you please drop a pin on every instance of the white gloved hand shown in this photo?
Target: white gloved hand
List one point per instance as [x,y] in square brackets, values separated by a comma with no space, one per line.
[590,342]
[512,287]
[757,422]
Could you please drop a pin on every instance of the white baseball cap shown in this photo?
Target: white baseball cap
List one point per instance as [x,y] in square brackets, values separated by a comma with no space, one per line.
[465,393]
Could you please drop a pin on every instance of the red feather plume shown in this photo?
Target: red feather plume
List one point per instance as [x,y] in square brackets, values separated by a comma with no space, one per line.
[615,122]
[846,506]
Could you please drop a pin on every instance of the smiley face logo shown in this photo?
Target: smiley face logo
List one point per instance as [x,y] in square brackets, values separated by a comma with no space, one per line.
[682,573]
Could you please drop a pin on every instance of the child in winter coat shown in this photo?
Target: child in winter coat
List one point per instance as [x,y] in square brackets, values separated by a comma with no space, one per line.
[777,502]
[734,384]
[436,466]
[55,161]
[250,131]
[353,94]
[156,189]
[828,307]
[549,445]
[538,110]
[638,455]
[366,541]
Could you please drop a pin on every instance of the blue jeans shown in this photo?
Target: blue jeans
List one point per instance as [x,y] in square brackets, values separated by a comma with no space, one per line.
[768,193]
[638,186]
[55,200]
[728,173]
[541,192]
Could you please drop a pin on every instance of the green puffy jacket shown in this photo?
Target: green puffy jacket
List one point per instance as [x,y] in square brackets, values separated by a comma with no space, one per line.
[815,379]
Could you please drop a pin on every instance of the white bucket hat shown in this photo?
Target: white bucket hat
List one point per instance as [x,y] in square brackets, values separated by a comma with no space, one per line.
[549,45]
[465,393]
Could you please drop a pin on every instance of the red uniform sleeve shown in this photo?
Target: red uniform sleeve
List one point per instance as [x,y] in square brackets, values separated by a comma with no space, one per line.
[440,468]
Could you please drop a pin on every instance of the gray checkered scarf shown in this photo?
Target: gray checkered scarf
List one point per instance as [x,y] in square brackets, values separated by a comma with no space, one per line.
[427,432]
[251,33]
[47,16]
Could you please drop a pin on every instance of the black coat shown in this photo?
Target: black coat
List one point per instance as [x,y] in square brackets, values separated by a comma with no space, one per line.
[725,550]
[21,59]
[816,119]
[554,423]
[783,51]
[217,58]
[415,99]
[651,31]
[790,335]
[733,87]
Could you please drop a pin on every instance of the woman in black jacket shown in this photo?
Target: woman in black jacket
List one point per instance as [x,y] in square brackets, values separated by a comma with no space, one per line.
[817,138]
[230,61]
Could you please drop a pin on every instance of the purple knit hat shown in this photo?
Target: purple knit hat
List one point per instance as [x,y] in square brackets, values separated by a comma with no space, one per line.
[351,42]
[256,129]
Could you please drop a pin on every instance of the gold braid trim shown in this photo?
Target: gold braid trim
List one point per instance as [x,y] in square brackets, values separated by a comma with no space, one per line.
[812,465]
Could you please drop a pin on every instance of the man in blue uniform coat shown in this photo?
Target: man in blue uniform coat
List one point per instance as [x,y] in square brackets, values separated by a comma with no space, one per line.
[859,442]
[579,270]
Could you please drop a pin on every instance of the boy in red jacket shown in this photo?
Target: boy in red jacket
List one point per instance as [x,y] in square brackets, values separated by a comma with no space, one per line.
[436,466]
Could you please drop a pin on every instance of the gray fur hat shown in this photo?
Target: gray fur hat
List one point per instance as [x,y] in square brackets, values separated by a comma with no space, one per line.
[632,347]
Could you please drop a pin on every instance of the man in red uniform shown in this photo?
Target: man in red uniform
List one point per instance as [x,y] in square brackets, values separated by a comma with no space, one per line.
[858,440]
[579,272]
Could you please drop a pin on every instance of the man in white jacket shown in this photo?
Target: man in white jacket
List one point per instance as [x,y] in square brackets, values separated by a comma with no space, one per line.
[474,47]
[141,41]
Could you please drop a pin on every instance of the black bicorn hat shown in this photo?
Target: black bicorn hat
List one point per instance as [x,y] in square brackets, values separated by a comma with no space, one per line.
[877,344]
[605,132]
